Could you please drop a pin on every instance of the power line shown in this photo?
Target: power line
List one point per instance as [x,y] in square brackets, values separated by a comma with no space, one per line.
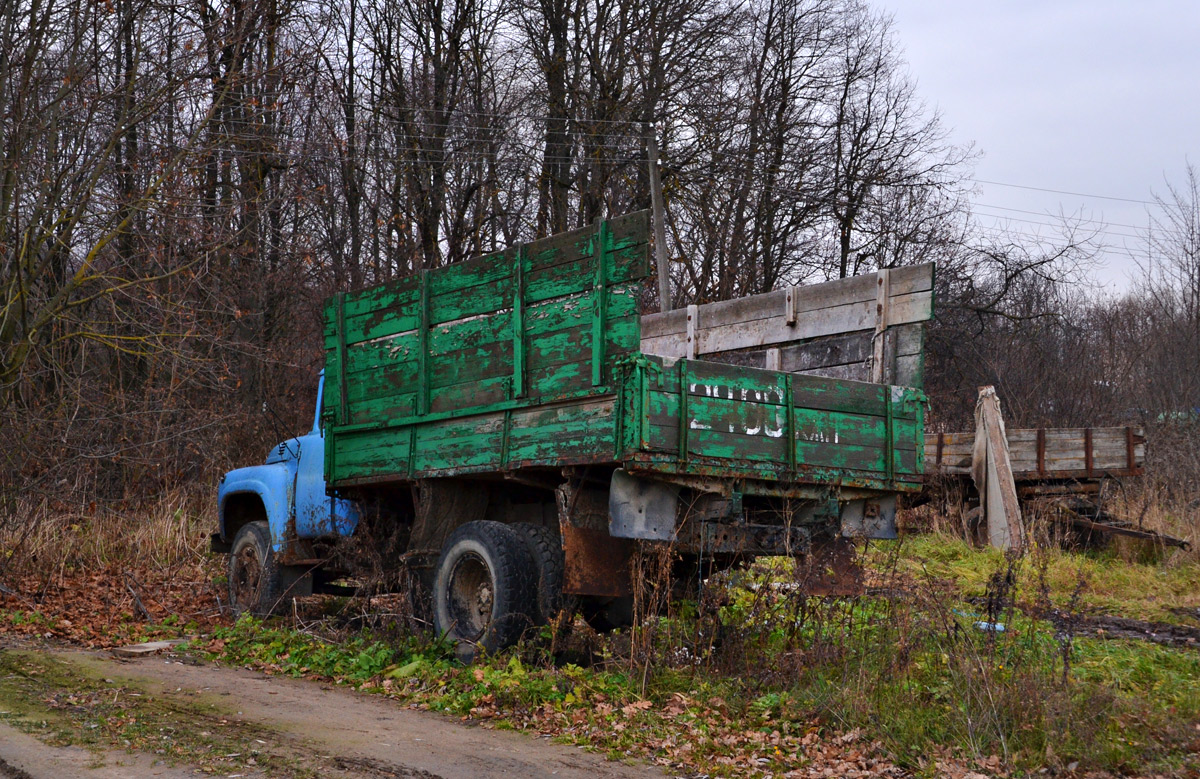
[1001,232]
[1096,231]
[1043,213]
[1065,192]
[1097,227]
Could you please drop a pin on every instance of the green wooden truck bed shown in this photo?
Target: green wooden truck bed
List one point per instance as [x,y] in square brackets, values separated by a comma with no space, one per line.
[532,358]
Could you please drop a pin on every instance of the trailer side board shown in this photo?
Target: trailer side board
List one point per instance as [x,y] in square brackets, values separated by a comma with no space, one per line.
[1048,453]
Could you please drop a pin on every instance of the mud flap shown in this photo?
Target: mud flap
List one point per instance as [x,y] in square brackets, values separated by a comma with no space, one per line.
[595,563]
[641,508]
[831,568]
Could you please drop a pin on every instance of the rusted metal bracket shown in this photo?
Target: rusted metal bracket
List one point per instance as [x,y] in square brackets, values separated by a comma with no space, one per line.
[725,539]
[1088,453]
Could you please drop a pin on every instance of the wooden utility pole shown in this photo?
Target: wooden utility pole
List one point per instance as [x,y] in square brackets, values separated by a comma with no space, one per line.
[659,219]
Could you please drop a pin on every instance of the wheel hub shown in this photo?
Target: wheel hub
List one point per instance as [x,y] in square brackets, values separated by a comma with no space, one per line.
[472,596]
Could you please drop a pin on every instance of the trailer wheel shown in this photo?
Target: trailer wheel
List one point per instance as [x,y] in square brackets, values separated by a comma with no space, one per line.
[254,580]
[546,550]
[483,594]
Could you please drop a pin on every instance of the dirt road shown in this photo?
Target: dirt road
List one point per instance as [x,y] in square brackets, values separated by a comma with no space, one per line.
[192,718]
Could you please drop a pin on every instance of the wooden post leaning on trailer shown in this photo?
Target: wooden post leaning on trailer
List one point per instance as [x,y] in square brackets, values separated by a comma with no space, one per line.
[991,470]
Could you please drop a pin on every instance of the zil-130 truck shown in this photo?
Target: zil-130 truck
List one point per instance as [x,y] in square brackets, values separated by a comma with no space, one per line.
[516,429]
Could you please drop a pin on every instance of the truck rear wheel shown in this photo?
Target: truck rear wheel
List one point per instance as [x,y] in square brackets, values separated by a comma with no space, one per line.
[483,594]
[546,550]
[254,581]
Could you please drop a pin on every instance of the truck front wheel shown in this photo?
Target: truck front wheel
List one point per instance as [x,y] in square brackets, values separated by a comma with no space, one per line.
[483,594]
[254,579]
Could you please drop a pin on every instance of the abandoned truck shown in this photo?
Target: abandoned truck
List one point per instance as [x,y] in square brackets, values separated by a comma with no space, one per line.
[516,428]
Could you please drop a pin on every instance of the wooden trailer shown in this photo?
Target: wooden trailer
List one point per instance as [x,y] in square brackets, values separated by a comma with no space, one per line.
[1059,473]
[1041,455]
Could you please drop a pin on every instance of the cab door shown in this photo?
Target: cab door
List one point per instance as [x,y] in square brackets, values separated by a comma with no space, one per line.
[316,513]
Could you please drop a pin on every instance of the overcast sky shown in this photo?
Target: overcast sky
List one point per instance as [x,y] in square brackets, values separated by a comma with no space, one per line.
[1099,98]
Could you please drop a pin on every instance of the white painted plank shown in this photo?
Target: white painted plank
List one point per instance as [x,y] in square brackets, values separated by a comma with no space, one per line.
[148,648]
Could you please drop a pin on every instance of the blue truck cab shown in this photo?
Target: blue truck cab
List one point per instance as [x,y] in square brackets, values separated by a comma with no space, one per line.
[269,515]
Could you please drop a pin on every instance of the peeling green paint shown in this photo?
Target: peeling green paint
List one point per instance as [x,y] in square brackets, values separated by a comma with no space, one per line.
[531,357]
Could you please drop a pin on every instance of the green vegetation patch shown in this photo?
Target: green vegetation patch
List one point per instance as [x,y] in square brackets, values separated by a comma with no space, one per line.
[778,682]
[1106,583]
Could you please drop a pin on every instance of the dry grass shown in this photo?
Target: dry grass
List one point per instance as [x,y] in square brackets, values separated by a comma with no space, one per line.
[1151,505]
[164,533]
[103,576]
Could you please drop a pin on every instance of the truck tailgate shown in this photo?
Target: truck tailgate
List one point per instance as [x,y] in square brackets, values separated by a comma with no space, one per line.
[709,419]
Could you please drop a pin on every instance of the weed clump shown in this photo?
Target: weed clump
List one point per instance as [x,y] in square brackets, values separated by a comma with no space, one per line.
[920,661]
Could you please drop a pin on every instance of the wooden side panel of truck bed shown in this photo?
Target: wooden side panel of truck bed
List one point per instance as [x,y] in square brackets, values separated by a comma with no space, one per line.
[499,362]
[708,419]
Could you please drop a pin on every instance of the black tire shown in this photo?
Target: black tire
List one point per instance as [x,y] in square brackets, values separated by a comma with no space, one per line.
[254,580]
[605,615]
[549,564]
[483,593]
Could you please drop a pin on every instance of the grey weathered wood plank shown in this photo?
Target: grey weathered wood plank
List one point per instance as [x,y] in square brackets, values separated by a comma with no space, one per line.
[854,372]
[843,356]
[840,329]
[905,282]
[992,473]
[849,349]
[715,334]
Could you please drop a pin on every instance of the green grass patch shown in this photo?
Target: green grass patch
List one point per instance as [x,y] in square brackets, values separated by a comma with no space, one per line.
[912,675]
[1111,585]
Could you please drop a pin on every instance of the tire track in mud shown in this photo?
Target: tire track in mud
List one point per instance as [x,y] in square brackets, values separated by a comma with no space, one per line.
[1103,626]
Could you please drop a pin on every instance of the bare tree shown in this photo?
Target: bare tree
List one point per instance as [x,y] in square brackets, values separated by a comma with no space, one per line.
[77,180]
[884,147]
